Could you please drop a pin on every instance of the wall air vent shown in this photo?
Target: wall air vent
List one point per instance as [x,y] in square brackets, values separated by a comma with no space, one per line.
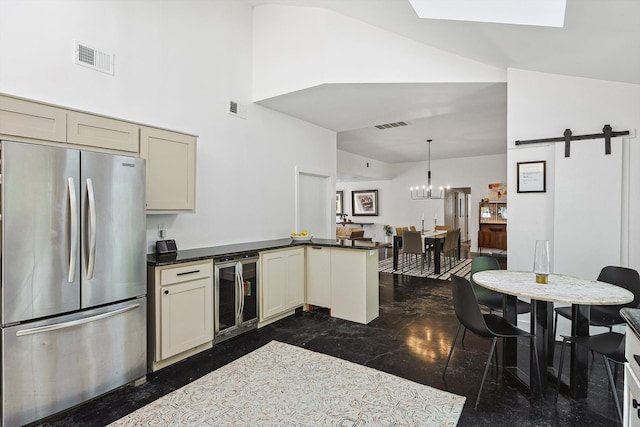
[90,57]
[237,109]
[392,125]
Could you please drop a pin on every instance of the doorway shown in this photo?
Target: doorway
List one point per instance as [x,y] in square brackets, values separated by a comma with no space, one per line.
[456,210]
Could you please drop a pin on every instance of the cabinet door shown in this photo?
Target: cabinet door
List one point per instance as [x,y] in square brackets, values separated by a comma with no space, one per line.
[501,239]
[486,239]
[186,316]
[171,169]
[273,281]
[319,276]
[295,278]
[32,120]
[102,132]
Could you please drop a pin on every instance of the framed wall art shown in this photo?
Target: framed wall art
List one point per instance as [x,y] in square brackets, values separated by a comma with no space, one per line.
[364,202]
[339,203]
[532,177]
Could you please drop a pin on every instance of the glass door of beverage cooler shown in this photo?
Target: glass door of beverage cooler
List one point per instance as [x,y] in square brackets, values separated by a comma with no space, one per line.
[236,296]
[225,313]
[249,291]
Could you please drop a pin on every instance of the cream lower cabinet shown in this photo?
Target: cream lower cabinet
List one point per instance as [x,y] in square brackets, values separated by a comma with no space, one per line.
[282,278]
[631,404]
[354,285]
[318,276]
[345,281]
[171,170]
[181,313]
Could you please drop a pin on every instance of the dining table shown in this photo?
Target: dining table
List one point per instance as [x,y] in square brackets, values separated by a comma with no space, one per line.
[580,293]
[431,237]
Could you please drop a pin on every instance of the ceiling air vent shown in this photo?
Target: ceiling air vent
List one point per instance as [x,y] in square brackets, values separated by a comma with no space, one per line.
[237,109]
[392,125]
[90,57]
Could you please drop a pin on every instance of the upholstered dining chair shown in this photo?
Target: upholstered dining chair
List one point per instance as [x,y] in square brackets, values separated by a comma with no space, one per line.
[450,246]
[608,315]
[489,326]
[611,346]
[412,245]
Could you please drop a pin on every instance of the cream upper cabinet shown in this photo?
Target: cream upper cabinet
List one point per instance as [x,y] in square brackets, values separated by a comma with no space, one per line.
[28,119]
[171,169]
[102,132]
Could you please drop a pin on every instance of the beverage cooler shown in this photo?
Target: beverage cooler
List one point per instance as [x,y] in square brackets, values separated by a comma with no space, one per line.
[236,295]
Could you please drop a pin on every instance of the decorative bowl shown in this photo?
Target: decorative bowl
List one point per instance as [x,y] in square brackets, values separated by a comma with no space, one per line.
[302,238]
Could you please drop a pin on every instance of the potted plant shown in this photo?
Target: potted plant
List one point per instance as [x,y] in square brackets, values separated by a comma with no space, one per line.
[388,231]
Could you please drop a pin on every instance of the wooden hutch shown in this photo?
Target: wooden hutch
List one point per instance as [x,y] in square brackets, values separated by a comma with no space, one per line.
[492,232]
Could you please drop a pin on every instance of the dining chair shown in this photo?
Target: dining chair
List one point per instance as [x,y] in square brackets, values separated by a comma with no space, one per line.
[412,228]
[412,245]
[608,315]
[489,326]
[450,246]
[491,299]
[442,227]
[611,346]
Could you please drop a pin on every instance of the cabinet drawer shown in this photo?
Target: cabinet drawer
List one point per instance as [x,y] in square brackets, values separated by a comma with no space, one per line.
[186,272]
[102,132]
[32,120]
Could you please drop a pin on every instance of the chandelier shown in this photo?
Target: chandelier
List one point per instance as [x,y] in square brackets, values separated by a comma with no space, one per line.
[426,191]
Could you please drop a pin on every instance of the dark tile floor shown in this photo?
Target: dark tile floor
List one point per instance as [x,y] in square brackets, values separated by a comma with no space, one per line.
[411,339]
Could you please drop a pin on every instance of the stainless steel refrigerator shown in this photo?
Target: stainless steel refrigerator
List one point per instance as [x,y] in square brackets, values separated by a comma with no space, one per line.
[73,277]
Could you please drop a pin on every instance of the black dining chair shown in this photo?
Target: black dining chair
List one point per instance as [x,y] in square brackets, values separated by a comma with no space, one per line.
[489,326]
[611,346]
[608,315]
[491,299]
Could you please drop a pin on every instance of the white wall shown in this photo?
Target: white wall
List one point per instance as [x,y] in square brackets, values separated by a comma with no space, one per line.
[397,208]
[333,48]
[177,64]
[543,105]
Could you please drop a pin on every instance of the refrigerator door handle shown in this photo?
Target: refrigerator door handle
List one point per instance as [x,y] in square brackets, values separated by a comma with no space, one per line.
[92,229]
[71,323]
[73,232]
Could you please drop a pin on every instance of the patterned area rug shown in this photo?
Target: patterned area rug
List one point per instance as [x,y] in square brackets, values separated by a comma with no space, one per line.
[280,384]
[461,267]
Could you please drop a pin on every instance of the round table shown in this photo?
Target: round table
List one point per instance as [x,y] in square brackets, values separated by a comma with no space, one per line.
[561,288]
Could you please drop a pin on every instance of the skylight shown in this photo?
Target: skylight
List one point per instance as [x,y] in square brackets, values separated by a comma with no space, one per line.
[545,13]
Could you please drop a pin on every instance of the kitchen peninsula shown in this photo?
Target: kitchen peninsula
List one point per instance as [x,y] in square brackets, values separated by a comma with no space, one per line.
[341,275]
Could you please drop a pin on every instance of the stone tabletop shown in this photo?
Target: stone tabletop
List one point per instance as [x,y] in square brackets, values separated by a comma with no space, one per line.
[561,288]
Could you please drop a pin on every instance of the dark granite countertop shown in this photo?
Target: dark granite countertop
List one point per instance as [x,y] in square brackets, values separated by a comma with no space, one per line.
[632,317]
[237,248]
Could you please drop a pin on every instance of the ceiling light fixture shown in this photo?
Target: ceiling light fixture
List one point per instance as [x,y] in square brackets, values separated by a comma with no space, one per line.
[425,192]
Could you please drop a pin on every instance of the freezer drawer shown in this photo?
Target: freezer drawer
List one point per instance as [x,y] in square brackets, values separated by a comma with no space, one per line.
[51,365]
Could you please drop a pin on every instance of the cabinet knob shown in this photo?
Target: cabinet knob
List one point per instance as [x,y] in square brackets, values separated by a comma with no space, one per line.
[166,292]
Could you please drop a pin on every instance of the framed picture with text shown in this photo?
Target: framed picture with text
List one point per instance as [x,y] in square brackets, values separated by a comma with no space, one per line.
[364,202]
[532,177]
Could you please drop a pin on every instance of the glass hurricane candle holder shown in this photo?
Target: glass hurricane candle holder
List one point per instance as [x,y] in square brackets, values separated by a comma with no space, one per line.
[542,262]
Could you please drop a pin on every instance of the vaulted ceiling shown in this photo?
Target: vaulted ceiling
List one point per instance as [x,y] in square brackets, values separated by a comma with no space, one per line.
[600,40]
